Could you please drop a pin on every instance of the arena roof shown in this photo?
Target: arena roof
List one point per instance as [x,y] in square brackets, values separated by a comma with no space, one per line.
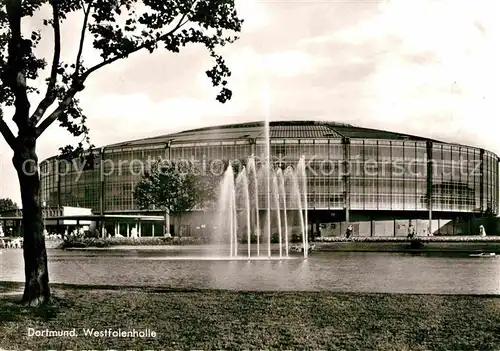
[278,129]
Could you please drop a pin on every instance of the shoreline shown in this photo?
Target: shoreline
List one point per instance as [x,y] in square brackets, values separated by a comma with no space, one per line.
[357,244]
[443,246]
[8,287]
[337,247]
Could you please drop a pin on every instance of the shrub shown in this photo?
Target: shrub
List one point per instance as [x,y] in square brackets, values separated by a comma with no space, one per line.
[93,234]
[75,242]
[253,239]
[416,244]
[275,238]
[296,237]
[174,240]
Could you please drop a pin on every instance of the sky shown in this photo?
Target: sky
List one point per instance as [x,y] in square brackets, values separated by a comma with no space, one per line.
[425,67]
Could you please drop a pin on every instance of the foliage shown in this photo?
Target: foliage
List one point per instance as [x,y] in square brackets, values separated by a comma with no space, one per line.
[416,244]
[93,234]
[83,242]
[275,238]
[253,239]
[237,165]
[118,28]
[7,204]
[296,237]
[174,187]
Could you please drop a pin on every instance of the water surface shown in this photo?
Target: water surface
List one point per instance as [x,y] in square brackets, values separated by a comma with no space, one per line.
[449,273]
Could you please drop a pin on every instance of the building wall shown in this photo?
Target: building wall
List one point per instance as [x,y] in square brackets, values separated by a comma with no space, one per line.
[202,224]
[359,174]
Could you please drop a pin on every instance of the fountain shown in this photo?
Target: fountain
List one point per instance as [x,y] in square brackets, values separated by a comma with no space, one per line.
[301,168]
[285,194]
[296,200]
[276,194]
[282,190]
[268,183]
[253,170]
[242,185]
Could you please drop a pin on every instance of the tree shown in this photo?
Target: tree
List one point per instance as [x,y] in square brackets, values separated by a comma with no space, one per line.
[118,28]
[6,204]
[174,188]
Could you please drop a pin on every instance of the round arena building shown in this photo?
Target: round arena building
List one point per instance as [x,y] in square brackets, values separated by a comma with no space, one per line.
[381,182]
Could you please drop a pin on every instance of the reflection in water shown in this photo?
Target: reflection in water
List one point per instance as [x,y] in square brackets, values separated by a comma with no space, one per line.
[261,275]
[340,271]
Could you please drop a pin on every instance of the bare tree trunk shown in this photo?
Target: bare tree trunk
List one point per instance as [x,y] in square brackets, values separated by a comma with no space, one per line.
[36,289]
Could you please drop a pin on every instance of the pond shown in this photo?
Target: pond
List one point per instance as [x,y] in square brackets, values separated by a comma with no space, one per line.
[377,272]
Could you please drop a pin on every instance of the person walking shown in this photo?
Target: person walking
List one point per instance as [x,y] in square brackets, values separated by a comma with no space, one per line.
[411,231]
[349,231]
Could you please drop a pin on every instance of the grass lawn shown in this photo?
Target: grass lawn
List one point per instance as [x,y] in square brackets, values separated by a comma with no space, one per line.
[214,320]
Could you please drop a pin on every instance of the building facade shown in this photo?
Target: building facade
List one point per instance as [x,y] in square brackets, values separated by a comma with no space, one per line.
[353,174]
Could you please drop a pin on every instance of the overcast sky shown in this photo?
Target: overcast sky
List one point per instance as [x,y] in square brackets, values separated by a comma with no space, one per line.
[424,67]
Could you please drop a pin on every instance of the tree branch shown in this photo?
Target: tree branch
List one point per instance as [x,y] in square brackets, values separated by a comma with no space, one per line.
[7,133]
[139,47]
[50,95]
[82,37]
[79,80]
[14,76]
[75,88]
